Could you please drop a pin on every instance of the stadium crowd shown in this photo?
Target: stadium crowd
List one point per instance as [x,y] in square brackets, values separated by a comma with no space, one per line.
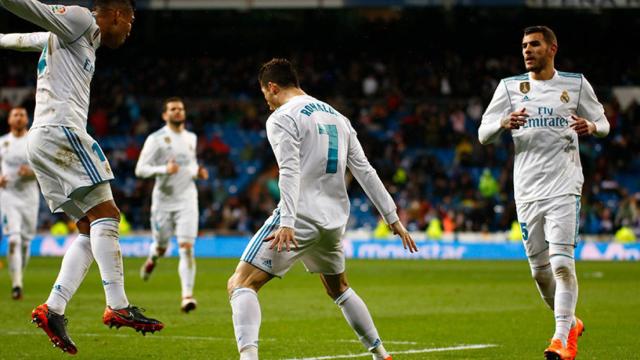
[416,112]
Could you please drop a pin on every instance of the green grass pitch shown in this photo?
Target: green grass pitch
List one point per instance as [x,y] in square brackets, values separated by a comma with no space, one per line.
[418,306]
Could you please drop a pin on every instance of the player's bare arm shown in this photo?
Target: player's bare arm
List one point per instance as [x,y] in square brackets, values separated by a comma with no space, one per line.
[3,181]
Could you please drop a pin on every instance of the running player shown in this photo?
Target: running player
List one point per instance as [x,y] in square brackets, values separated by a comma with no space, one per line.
[69,165]
[314,145]
[546,110]
[169,155]
[19,197]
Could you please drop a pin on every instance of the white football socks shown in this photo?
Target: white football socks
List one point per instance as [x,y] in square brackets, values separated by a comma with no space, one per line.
[75,264]
[566,295]
[546,283]
[14,260]
[187,271]
[106,250]
[246,315]
[357,315]
[26,251]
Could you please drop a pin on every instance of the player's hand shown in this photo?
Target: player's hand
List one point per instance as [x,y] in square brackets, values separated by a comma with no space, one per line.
[203,173]
[583,126]
[407,241]
[515,120]
[3,181]
[282,238]
[172,167]
[25,171]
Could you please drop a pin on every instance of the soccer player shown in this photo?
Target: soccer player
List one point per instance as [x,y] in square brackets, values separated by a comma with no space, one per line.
[546,110]
[313,145]
[69,165]
[169,155]
[19,197]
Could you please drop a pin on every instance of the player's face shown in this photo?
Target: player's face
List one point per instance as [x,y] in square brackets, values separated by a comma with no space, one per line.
[536,52]
[120,24]
[18,119]
[270,95]
[174,112]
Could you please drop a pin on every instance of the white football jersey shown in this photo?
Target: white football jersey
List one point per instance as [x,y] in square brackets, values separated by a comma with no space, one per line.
[67,60]
[314,144]
[547,158]
[177,191]
[19,191]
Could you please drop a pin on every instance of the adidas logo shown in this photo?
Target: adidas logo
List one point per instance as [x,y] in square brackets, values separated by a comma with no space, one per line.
[525,98]
[267,263]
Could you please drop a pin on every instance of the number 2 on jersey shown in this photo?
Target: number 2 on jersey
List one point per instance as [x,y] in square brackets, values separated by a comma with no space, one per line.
[332,156]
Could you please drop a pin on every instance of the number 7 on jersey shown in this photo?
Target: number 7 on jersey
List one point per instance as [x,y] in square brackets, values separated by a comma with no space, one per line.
[332,156]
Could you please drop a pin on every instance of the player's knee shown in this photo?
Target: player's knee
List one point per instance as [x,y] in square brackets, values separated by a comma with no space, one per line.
[107,209]
[84,226]
[186,250]
[333,293]
[230,285]
[12,247]
[336,287]
[161,251]
[542,274]
[563,266]
[237,281]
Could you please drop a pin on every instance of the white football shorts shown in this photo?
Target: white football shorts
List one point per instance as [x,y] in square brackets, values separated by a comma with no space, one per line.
[18,218]
[549,221]
[71,169]
[320,250]
[183,223]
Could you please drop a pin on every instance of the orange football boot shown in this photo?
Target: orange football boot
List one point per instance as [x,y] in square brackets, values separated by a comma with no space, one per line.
[572,340]
[556,351]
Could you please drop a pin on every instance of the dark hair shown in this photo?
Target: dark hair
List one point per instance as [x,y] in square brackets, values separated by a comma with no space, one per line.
[278,71]
[547,33]
[166,102]
[128,4]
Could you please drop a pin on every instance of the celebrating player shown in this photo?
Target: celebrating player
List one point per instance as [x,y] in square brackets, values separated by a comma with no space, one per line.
[69,165]
[169,155]
[19,197]
[546,110]
[313,144]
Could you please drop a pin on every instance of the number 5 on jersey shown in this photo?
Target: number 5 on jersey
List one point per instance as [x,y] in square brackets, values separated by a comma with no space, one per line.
[332,156]
[525,232]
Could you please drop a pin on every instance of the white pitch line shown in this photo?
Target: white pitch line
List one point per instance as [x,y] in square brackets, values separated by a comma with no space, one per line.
[386,342]
[414,351]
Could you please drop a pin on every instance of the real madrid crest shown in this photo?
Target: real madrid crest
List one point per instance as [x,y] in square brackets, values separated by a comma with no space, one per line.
[565,97]
[167,140]
[6,143]
[525,87]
